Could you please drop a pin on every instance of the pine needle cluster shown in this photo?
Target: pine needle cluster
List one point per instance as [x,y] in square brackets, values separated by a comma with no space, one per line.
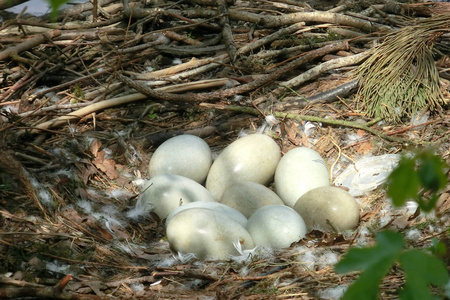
[400,78]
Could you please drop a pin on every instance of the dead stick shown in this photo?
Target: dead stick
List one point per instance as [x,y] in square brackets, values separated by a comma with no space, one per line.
[24,80]
[73,82]
[227,35]
[321,68]
[204,97]
[287,19]
[189,97]
[299,118]
[29,44]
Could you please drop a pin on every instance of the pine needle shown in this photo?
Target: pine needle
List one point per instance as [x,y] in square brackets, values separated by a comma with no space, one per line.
[400,78]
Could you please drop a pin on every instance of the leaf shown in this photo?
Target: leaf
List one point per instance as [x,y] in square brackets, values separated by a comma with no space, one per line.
[421,270]
[403,182]
[374,261]
[431,171]
[55,5]
[438,247]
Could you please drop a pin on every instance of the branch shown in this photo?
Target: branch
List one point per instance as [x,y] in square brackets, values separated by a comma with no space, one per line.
[299,118]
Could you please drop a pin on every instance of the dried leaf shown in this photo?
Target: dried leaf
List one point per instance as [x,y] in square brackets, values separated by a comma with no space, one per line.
[106,165]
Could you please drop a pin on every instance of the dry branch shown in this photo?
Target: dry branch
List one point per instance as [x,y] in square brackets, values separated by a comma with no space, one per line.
[288,19]
[27,45]
[320,69]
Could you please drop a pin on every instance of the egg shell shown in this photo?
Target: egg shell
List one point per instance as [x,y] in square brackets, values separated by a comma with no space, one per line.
[327,205]
[248,196]
[162,194]
[185,155]
[251,158]
[207,233]
[299,171]
[276,226]
[219,207]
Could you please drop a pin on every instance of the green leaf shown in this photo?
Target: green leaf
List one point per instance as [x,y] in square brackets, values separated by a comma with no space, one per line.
[431,171]
[388,245]
[55,5]
[438,247]
[403,182]
[375,261]
[421,270]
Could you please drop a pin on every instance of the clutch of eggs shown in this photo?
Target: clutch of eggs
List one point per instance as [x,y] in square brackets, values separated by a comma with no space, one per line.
[209,222]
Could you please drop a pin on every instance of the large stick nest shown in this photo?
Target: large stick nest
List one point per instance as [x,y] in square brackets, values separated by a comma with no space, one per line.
[86,100]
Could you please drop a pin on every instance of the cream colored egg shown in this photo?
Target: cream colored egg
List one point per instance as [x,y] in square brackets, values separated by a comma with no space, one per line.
[185,155]
[162,194]
[219,207]
[251,158]
[248,196]
[328,208]
[299,171]
[276,226]
[207,234]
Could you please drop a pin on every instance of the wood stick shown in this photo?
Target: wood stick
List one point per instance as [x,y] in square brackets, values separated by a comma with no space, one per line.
[321,68]
[300,118]
[200,97]
[288,19]
[27,45]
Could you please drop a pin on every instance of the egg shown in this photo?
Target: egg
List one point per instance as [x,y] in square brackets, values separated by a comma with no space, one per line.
[276,226]
[251,158]
[219,207]
[185,155]
[328,208]
[206,233]
[248,196]
[299,171]
[163,193]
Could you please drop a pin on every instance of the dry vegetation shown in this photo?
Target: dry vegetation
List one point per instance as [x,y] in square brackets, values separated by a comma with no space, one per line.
[85,101]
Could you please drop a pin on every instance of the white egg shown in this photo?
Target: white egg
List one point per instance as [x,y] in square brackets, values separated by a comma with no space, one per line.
[328,208]
[299,171]
[219,207]
[250,158]
[248,196]
[185,155]
[162,194]
[276,226]
[207,234]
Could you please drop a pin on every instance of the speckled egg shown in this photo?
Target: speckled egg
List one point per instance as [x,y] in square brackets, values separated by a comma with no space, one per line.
[299,171]
[206,233]
[162,194]
[219,207]
[248,196]
[185,155]
[251,158]
[328,208]
[276,226]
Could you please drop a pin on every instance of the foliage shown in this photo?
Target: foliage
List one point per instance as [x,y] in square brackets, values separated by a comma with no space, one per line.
[55,5]
[421,267]
[423,174]
[401,77]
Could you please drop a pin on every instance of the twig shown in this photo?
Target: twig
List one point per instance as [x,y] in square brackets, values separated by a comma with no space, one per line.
[227,35]
[201,97]
[28,44]
[11,166]
[300,118]
[288,19]
[321,68]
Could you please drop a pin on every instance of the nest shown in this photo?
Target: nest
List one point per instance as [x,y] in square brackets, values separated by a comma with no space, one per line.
[85,101]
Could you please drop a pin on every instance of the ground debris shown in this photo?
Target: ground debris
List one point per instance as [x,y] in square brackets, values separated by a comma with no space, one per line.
[85,101]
